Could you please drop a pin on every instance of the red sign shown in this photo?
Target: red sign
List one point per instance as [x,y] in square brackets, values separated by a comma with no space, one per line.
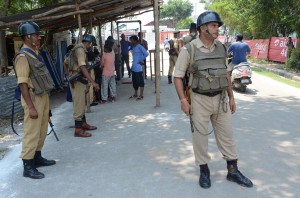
[259,48]
[277,50]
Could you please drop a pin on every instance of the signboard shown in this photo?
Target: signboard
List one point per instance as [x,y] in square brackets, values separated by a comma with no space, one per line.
[259,48]
[277,51]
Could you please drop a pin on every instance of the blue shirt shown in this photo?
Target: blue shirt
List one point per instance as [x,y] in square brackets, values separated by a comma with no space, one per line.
[239,52]
[139,54]
[125,46]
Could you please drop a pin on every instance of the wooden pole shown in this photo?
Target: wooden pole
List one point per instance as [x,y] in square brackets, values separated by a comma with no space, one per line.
[157,53]
[79,20]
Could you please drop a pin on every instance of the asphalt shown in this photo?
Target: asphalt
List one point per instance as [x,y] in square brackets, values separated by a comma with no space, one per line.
[138,151]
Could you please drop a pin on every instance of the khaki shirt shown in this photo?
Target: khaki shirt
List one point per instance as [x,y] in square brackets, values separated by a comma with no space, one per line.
[183,60]
[22,68]
[80,53]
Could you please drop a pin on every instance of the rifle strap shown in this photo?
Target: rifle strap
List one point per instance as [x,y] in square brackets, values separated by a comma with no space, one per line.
[190,74]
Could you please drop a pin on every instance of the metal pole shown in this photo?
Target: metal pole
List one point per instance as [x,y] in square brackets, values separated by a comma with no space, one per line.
[157,53]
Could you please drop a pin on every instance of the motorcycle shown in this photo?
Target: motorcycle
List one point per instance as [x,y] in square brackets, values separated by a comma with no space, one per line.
[241,76]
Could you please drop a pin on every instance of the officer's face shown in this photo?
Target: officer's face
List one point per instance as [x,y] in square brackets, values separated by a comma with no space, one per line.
[35,40]
[213,29]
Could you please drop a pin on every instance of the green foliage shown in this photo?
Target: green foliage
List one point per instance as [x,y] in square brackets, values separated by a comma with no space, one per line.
[176,10]
[294,61]
[184,23]
[17,6]
[259,18]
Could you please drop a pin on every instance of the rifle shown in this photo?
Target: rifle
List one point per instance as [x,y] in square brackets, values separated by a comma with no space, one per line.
[79,77]
[51,125]
[185,82]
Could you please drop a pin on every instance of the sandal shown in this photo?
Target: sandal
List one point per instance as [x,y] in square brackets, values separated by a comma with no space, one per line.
[140,98]
[133,97]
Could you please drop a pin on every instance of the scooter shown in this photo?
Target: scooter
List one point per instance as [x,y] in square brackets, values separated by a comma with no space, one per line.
[241,76]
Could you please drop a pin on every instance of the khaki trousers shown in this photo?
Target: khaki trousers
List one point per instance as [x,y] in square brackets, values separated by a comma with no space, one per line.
[206,109]
[172,61]
[78,96]
[91,88]
[35,130]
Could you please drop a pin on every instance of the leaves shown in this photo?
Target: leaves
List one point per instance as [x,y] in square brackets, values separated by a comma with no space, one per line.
[176,10]
[259,18]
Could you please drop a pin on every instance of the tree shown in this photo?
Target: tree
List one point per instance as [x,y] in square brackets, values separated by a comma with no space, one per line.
[185,23]
[176,10]
[260,18]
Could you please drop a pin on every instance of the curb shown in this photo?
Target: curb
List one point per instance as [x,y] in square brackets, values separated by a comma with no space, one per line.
[279,72]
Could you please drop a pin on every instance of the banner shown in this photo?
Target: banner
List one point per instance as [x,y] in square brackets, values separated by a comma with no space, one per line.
[277,51]
[259,48]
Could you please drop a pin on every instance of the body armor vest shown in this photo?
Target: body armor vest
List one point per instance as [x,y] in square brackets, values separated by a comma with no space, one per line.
[73,59]
[39,75]
[208,70]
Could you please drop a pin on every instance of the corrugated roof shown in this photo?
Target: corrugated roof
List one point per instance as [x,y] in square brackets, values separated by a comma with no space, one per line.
[63,16]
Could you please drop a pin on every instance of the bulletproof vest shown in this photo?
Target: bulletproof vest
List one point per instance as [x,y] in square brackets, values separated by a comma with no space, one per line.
[39,75]
[172,51]
[208,69]
[72,59]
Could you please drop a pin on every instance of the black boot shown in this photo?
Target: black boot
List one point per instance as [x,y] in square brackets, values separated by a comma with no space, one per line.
[235,175]
[30,170]
[170,79]
[40,161]
[204,179]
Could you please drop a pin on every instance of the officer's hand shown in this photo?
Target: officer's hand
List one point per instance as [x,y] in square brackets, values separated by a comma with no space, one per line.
[232,105]
[96,86]
[33,114]
[185,107]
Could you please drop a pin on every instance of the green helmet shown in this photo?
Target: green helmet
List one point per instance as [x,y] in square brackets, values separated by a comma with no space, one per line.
[28,27]
[89,38]
[208,17]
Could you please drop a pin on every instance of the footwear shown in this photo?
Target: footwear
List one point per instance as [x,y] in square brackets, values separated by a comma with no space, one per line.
[103,102]
[140,98]
[236,176]
[170,79]
[204,179]
[81,133]
[30,170]
[40,161]
[133,97]
[87,127]
[112,99]
[94,103]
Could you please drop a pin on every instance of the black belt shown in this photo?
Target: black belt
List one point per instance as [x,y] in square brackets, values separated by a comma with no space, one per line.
[211,94]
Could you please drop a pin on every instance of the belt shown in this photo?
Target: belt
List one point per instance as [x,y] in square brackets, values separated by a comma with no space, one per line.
[211,94]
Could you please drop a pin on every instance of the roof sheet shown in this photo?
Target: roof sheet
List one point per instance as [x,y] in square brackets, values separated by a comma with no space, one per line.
[63,16]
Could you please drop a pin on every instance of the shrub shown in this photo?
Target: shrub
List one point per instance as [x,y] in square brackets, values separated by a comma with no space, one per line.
[294,61]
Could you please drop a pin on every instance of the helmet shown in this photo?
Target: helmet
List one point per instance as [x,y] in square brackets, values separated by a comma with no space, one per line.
[90,38]
[28,27]
[94,40]
[207,17]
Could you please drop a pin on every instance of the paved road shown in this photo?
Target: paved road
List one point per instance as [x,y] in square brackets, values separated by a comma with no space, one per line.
[141,151]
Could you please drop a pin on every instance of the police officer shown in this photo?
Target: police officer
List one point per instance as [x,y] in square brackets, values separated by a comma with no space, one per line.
[76,63]
[192,35]
[35,84]
[211,97]
[173,54]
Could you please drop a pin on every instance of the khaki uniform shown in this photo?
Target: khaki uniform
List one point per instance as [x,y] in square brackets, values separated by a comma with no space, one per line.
[206,109]
[35,130]
[173,59]
[79,89]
